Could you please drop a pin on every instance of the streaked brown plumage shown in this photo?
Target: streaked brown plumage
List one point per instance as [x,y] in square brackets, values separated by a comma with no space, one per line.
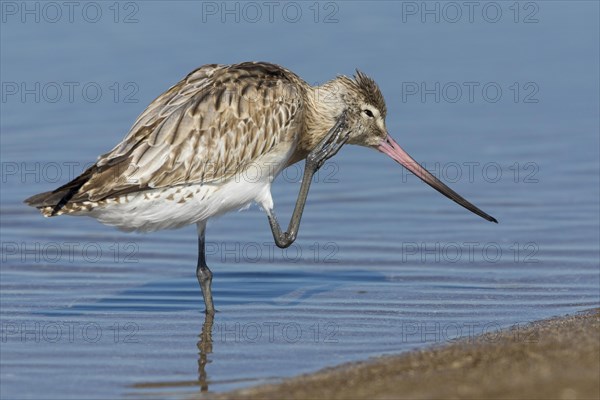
[206,128]
[181,161]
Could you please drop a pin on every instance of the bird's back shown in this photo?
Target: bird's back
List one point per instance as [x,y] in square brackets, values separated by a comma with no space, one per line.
[206,129]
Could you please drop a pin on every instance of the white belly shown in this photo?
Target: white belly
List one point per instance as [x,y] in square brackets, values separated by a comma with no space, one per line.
[174,207]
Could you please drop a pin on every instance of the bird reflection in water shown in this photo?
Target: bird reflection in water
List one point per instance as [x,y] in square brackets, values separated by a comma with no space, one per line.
[205,347]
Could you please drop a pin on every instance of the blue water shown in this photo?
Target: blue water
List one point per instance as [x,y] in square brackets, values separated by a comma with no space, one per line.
[506,112]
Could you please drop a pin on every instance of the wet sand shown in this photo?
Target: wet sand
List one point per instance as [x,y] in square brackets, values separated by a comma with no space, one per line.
[552,359]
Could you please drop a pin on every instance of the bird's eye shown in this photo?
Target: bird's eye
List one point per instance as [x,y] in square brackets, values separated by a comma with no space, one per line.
[368,112]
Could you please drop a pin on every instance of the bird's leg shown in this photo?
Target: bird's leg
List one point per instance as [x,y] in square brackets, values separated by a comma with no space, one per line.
[327,148]
[204,274]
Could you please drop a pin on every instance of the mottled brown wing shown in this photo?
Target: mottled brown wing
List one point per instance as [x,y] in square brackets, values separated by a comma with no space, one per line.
[208,127]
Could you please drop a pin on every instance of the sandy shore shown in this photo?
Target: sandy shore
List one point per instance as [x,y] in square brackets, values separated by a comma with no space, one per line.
[552,359]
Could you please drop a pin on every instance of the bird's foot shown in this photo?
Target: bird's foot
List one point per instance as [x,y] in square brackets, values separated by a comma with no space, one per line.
[330,145]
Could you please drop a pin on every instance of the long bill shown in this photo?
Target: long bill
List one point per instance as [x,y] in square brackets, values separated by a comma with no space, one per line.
[391,148]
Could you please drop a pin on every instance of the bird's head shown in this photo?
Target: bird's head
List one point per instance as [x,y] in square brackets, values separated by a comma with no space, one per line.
[365,110]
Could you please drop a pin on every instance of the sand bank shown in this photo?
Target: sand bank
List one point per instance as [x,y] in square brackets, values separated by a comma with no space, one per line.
[552,359]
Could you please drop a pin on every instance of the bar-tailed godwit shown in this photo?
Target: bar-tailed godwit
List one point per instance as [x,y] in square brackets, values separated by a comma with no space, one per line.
[186,157]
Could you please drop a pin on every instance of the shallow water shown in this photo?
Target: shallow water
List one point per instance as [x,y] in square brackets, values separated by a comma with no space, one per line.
[382,264]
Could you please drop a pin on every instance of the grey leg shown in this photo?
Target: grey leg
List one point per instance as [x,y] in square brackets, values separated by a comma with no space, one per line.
[326,149]
[204,274]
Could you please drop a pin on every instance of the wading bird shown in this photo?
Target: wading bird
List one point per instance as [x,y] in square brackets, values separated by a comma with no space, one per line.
[184,160]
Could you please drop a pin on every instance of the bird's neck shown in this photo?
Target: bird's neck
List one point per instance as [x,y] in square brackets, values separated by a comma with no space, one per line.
[324,104]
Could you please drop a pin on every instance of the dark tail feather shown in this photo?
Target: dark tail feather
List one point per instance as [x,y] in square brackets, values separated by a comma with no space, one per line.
[46,199]
[58,198]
